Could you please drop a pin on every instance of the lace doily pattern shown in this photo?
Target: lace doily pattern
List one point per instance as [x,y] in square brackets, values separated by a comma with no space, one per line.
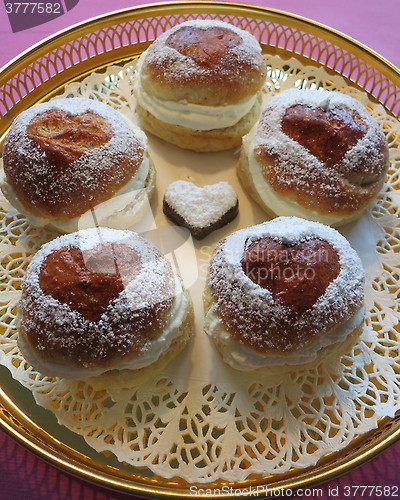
[199,420]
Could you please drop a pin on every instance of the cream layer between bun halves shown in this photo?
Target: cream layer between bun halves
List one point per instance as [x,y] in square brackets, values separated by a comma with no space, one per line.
[199,85]
[68,157]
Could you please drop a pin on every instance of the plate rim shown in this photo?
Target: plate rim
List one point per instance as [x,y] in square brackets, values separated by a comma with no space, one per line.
[27,433]
[76,27]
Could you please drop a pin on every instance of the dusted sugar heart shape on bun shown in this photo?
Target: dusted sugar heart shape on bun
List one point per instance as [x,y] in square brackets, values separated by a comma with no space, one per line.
[64,138]
[200,209]
[285,292]
[315,154]
[89,281]
[99,300]
[297,275]
[205,46]
[69,158]
[199,85]
[327,133]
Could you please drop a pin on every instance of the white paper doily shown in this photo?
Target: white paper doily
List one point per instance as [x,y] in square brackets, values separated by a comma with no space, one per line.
[200,420]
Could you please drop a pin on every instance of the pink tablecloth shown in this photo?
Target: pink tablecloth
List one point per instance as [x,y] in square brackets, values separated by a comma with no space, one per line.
[372,22]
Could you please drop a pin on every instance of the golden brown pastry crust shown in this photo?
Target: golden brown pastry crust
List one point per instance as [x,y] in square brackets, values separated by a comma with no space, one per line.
[64,157]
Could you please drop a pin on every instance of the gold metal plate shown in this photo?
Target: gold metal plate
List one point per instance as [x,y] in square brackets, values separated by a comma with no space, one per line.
[44,70]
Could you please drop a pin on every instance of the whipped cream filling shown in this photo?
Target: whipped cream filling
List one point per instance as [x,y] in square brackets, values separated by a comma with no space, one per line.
[154,349]
[193,116]
[280,205]
[243,358]
[130,200]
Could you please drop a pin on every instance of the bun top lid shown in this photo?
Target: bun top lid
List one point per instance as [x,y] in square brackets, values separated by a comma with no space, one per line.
[205,62]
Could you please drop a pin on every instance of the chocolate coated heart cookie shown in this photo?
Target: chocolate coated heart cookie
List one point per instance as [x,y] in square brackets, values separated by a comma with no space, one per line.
[200,209]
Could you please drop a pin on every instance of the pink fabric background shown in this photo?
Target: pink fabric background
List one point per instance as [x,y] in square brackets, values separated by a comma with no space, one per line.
[372,22]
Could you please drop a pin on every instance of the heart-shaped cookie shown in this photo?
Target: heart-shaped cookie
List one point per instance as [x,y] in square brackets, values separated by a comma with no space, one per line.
[296,275]
[200,209]
[326,133]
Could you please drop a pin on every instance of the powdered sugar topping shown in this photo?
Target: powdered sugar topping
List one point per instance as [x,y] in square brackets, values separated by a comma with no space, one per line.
[200,206]
[253,309]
